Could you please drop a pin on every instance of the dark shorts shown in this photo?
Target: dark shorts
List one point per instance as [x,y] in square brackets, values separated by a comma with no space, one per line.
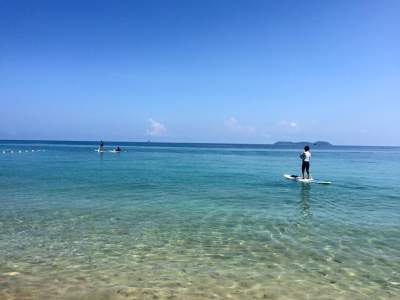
[305,166]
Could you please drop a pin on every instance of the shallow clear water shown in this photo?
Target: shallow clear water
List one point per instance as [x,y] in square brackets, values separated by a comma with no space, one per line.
[197,222]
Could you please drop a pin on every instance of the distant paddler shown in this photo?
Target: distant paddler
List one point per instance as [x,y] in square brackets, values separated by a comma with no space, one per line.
[101,147]
[118,149]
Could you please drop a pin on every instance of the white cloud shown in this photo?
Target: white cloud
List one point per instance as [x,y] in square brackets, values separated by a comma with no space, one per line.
[156,128]
[233,124]
[287,124]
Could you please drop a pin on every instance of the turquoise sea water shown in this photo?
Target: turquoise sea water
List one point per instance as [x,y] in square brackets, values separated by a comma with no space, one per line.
[175,221]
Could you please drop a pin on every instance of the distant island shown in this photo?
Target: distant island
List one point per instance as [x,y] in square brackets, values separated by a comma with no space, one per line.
[317,143]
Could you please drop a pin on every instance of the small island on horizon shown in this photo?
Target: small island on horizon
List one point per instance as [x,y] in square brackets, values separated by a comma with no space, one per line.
[289,143]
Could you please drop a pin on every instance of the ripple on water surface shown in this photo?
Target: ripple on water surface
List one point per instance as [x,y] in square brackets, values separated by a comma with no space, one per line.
[195,225]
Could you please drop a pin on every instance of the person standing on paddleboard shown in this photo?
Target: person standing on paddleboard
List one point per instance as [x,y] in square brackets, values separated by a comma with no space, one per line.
[305,157]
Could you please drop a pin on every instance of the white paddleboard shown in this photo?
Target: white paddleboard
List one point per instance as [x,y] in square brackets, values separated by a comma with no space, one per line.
[305,180]
[100,151]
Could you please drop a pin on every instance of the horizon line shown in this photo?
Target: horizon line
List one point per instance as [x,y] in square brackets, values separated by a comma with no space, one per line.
[197,143]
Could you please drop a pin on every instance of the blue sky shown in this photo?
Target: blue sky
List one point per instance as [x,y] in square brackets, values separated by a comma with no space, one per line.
[201,71]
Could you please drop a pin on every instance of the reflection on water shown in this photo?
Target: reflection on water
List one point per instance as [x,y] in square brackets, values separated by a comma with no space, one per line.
[305,200]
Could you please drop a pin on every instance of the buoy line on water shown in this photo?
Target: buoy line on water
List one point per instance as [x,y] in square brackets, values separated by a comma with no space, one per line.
[11,151]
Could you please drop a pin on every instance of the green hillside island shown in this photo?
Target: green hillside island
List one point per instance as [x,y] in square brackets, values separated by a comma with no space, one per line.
[317,143]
